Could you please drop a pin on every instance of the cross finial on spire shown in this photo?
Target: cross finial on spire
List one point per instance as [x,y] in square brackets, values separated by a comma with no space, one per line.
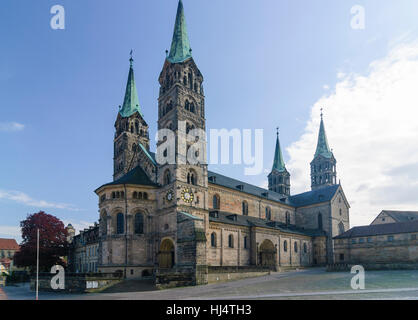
[277,131]
[131,60]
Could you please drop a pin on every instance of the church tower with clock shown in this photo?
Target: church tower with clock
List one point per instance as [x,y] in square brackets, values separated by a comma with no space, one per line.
[181,148]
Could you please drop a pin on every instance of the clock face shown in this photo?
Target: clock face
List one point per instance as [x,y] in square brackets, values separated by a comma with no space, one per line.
[187,195]
[170,195]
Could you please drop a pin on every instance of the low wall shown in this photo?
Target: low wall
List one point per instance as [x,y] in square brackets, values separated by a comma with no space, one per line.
[340,267]
[76,283]
[223,274]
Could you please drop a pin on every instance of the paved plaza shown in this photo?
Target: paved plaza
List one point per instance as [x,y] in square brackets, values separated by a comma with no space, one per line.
[310,284]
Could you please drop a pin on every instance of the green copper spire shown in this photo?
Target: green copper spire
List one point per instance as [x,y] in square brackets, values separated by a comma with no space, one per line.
[322,147]
[131,101]
[278,163]
[180,46]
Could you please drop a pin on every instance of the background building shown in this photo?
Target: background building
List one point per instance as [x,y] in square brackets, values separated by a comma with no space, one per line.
[8,248]
[390,241]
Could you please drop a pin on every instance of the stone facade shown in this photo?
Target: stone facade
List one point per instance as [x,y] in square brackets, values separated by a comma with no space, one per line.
[84,251]
[385,244]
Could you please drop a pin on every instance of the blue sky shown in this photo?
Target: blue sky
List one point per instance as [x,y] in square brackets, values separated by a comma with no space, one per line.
[266,63]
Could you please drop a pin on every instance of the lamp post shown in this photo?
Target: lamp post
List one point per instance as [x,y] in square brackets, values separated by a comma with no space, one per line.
[37,264]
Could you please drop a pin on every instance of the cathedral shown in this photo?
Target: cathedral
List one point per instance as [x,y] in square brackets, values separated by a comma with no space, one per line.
[180,222]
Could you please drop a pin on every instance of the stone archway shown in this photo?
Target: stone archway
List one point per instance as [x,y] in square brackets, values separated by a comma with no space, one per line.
[267,254]
[166,254]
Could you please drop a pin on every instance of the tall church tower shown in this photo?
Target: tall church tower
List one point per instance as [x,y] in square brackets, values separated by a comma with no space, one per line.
[131,130]
[279,178]
[323,166]
[181,110]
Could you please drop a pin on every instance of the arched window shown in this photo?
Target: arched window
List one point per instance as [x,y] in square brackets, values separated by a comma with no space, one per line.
[305,248]
[113,195]
[187,105]
[231,241]
[216,202]
[136,127]
[120,223]
[341,228]
[320,221]
[213,239]
[268,213]
[287,217]
[191,80]
[167,177]
[192,108]
[191,178]
[245,208]
[245,242]
[139,195]
[145,196]
[135,195]
[139,223]
[285,246]
[296,246]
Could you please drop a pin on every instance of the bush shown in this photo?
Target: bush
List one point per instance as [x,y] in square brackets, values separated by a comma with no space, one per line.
[17,277]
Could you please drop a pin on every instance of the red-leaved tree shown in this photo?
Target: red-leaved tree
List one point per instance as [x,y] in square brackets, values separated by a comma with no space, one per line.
[53,244]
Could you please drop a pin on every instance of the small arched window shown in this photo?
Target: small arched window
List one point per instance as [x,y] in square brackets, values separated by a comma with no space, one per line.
[139,223]
[245,242]
[145,196]
[120,223]
[268,213]
[287,217]
[213,239]
[167,177]
[305,248]
[216,202]
[187,105]
[245,208]
[135,195]
[341,228]
[320,221]
[231,241]
[296,246]
[285,246]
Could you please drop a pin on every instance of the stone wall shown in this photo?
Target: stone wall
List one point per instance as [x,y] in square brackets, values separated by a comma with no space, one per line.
[231,201]
[402,248]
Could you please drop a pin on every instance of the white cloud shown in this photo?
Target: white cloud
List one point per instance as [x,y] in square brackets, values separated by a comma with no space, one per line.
[372,124]
[23,198]
[10,232]
[11,126]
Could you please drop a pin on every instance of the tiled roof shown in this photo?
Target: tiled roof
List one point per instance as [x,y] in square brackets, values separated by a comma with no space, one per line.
[300,200]
[135,176]
[402,216]
[316,196]
[221,180]
[247,221]
[380,229]
[8,244]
